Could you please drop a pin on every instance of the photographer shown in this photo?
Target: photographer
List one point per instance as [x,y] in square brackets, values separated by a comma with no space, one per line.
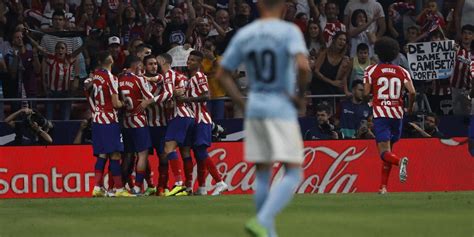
[31,128]
[429,128]
[366,129]
[324,128]
[84,134]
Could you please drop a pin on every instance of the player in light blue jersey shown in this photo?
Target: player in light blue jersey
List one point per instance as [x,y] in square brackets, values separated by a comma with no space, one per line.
[274,53]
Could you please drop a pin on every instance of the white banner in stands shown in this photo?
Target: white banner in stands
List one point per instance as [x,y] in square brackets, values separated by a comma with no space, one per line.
[431,60]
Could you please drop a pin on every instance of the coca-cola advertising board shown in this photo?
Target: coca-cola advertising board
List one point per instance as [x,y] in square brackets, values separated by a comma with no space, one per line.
[344,166]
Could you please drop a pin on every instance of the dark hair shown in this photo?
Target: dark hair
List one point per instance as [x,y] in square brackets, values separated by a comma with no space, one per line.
[467,27]
[58,13]
[141,47]
[167,57]
[320,39]
[196,53]
[323,107]
[354,16]
[299,15]
[431,114]
[387,49]
[362,46]
[334,38]
[131,60]
[148,57]
[102,56]
[357,82]
[332,2]
[413,28]
[437,33]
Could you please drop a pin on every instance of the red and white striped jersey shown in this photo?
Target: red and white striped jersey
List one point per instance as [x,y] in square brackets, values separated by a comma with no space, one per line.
[196,87]
[104,85]
[133,89]
[156,111]
[173,109]
[90,99]
[472,69]
[387,82]
[59,72]
[461,78]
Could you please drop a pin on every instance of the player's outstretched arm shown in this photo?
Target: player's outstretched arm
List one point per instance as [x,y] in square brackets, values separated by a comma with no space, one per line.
[225,79]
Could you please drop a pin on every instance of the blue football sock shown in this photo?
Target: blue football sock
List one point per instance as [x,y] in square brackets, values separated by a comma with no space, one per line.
[280,195]
[262,180]
[115,167]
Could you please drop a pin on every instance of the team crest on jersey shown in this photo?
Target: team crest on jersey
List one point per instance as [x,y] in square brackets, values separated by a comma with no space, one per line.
[366,114]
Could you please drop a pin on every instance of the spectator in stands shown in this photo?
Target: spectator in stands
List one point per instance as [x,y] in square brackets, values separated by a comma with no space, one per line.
[430,18]
[430,128]
[411,36]
[84,133]
[48,15]
[332,25]
[199,32]
[373,9]
[366,129]
[154,36]
[438,92]
[353,111]
[31,128]
[330,68]
[24,67]
[131,25]
[222,38]
[60,76]
[210,64]
[49,42]
[89,16]
[463,15]
[117,54]
[175,32]
[460,80]
[314,39]
[360,32]
[323,129]
[357,66]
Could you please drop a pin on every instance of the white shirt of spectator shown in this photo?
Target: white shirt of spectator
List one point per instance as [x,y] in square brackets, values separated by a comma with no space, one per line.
[370,8]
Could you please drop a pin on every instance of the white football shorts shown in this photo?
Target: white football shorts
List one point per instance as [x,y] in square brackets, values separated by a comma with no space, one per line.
[273,140]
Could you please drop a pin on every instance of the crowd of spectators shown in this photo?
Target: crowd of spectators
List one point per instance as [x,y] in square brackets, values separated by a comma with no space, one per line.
[339,34]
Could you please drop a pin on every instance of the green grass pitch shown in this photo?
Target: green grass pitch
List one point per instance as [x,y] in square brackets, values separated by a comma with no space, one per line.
[366,214]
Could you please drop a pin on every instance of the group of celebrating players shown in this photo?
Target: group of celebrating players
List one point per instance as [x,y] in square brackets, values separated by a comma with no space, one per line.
[159,109]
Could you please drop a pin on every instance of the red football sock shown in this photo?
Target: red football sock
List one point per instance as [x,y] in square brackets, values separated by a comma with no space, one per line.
[98,178]
[188,171]
[148,177]
[130,181]
[211,167]
[176,169]
[386,167]
[164,175]
[110,180]
[391,158]
[118,181]
[201,173]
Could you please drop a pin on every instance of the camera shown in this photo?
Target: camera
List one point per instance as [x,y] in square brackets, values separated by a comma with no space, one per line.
[327,128]
[218,132]
[39,119]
